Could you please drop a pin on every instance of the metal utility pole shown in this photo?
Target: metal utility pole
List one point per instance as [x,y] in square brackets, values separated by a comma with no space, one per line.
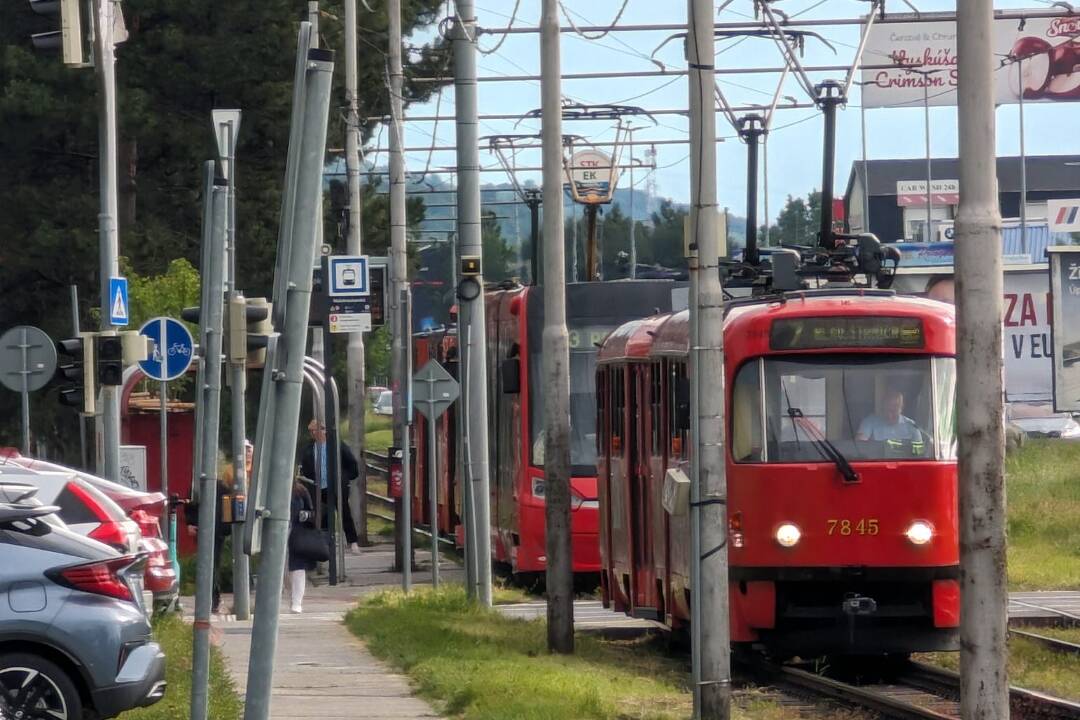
[109,446]
[929,171]
[357,390]
[226,128]
[633,223]
[712,676]
[399,288]
[866,168]
[211,321]
[556,355]
[471,304]
[314,74]
[1023,161]
[984,687]
[82,420]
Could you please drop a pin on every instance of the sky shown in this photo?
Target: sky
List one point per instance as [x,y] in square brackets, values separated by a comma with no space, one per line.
[795,141]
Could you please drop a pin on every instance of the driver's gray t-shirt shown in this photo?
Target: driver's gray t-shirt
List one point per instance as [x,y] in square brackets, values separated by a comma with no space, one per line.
[876,428]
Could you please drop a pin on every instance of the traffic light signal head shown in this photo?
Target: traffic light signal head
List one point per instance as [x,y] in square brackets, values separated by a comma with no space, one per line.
[249,328]
[69,38]
[109,352]
[77,375]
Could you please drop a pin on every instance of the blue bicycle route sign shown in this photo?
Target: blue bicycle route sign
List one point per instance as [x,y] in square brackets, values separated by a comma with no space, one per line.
[173,352]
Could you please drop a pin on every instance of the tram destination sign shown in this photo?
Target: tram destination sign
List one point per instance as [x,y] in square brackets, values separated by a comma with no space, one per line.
[815,333]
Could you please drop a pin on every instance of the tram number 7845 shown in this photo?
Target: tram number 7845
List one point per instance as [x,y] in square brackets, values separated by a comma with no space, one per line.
[862,526]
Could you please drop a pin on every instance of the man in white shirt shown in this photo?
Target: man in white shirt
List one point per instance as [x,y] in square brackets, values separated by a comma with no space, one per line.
[890,423]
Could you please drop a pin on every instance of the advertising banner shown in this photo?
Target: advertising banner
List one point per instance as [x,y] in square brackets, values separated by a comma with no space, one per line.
[1065,289]
[1048,50]
[1063,215]
[912,193]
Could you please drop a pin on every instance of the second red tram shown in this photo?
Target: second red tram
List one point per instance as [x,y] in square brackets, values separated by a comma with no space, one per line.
[841,471]
[515,323]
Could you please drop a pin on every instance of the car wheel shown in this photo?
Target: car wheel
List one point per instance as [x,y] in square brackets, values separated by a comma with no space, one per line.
[31,687]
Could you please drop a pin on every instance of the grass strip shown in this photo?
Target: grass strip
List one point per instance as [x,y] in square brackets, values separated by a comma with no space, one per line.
[174,635]
[1044,515]
[1031,666]
[477,664]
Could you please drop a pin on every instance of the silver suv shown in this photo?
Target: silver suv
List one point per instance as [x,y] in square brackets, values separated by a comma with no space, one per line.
[75,642]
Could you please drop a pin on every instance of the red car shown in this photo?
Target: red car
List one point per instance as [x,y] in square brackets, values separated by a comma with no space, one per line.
[145,509]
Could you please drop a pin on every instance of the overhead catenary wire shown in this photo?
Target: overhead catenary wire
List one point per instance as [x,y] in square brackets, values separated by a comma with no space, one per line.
[599,33]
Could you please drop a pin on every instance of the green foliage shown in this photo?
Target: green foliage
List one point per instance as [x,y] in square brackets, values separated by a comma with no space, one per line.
[1031,666]
[182,59]
[174,635]
[377,355]
[500,260]
[162,295]
[1044,515]
[659,241]
[798,222]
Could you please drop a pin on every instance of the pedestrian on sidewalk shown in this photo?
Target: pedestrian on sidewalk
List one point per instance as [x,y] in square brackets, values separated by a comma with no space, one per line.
[301,523]
[313,465]
[222,529]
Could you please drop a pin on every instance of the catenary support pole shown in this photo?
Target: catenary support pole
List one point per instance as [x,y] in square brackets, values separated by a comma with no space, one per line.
[865,167]
[82,420]
[556,352]
[399,285]
[433,493]
[108,213]
[330,417]
[929,169]
[765,186]
[211,320]
[289,374]
[713,679]
[469,237]
[357,391]
[237,375]
[984,691]
[1023,163]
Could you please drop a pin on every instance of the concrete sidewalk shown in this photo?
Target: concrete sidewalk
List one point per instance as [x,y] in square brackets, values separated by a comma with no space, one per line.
[322,670]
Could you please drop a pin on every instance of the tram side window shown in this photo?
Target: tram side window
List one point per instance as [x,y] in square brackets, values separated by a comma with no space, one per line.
[745,423]
[679,410]
[656,389]
[601,406]
[618,403]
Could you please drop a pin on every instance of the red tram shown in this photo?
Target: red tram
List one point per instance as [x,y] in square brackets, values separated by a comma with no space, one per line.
[841,470]
[515,322]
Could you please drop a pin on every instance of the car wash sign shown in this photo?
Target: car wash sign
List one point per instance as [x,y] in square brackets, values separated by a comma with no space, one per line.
[1040,60]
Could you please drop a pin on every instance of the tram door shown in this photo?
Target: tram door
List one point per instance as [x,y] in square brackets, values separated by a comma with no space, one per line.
[638,466]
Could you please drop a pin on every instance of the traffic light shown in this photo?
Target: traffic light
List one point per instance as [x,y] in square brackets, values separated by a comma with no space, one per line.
[69,38]
[249,330]
[77,375]
[109,356]
[136,347]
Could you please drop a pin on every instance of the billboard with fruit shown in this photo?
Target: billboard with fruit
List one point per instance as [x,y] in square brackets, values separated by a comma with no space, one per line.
[1040,58]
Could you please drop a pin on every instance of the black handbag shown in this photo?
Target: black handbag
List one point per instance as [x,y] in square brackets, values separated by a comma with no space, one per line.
[308,543]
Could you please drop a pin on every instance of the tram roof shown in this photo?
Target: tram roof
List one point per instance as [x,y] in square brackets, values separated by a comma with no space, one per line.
[747,325]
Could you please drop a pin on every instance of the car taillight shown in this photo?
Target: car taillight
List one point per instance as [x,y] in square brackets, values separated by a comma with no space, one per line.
[115,534]
[99,578]
[148,524]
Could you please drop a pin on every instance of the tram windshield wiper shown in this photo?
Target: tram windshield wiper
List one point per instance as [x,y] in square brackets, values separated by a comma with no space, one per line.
[824,445]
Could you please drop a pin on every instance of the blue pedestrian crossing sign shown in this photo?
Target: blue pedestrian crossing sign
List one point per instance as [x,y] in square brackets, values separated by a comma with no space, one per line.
[118,301]
[173,352]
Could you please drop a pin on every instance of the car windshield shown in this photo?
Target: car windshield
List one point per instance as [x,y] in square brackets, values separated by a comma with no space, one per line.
[844,407]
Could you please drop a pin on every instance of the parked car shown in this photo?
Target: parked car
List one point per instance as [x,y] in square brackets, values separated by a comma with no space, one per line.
[1038,420]
[75,641]
[385,404]
[146,509]
[373,393]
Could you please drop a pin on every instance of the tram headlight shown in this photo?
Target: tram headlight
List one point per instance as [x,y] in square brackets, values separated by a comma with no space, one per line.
[788,534]
[920,532]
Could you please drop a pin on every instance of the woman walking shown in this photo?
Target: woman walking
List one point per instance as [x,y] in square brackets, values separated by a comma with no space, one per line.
[304,541]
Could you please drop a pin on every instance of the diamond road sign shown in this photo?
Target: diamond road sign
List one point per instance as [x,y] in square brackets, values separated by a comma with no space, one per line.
[433,390]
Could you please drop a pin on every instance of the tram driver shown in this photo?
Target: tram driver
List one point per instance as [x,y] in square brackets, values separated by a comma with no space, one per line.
[889,425]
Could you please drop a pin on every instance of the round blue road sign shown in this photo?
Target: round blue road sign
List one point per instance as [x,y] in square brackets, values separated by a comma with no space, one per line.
[173,352]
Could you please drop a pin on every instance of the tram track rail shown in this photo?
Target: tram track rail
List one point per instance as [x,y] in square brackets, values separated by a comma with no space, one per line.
[910,691]
[378,464]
